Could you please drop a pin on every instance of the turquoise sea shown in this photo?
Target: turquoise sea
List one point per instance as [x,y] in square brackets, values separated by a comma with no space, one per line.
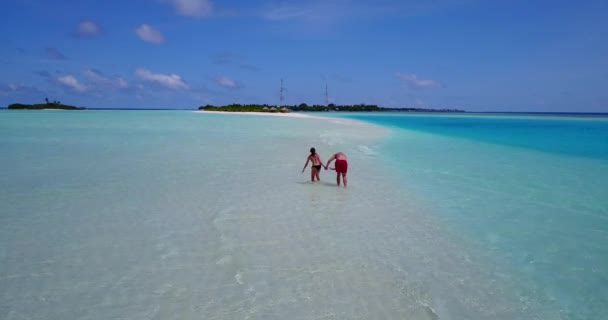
[185,215]
[530,190]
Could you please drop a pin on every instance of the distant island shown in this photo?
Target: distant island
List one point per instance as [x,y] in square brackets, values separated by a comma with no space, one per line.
[316,108]
[245,108]
[56,105]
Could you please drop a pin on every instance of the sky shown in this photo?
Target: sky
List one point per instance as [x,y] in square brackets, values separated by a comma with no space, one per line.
[476,55]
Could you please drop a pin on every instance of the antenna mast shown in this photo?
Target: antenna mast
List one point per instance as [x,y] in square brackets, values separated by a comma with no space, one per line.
[282,96]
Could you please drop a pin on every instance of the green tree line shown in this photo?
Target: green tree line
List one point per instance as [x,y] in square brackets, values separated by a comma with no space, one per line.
[316,108]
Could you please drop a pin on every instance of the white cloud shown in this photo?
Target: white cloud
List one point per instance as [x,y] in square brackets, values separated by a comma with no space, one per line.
[88,28]
[313,12]
[71,83]
[148,34]
[121,83]
[171,81]
[319,11]
[412,80]
[305,12]
[285,13]
[192,8]
[226,82]
[99,79]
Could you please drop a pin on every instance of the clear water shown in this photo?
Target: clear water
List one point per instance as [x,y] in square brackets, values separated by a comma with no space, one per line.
[182,215]
[533,190]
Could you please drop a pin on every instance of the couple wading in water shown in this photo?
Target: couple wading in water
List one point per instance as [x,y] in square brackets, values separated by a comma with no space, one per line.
[341,166]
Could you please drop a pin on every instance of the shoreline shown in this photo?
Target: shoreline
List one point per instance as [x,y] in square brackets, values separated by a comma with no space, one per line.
[268,114]
[300,115]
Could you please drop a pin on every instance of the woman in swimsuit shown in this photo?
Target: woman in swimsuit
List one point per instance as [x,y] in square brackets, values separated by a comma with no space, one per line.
[316,165]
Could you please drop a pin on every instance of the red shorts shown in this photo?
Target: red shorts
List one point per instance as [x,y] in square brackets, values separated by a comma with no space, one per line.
[341,166]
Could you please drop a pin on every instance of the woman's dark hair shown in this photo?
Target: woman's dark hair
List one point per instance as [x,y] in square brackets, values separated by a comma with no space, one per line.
[313,151]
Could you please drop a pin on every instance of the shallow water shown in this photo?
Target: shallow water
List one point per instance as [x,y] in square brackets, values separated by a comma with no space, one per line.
[161,214]
[532,190]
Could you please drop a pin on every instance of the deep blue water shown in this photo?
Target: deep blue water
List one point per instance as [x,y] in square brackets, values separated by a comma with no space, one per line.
[578,135]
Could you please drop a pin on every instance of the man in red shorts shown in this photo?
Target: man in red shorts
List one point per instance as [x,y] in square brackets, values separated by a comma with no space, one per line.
[341,167]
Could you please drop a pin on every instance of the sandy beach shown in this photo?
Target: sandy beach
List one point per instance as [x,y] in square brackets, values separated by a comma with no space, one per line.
[267,114]
[300,115]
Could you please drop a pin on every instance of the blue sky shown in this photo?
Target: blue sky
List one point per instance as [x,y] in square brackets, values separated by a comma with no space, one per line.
[500,55]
